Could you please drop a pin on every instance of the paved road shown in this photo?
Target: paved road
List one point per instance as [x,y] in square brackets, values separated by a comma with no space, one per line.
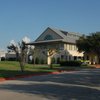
[80,85]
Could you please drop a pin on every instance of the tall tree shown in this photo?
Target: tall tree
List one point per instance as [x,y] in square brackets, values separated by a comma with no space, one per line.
[49,52]
[21,50]
[90,44]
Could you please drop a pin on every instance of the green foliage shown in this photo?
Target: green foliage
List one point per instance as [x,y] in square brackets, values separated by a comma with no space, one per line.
[70,63]
[21,50]
[45,61]
[3,58]
[58,60]
[11,59]
[53,60]
[56,65]
[90,44]
[83,44]
[42,61]
[37,61]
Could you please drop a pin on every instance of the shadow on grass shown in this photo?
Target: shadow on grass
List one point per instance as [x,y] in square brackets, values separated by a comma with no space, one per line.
[35,70]
[14,73]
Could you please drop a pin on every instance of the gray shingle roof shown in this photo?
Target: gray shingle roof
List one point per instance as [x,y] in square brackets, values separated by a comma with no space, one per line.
[69,37]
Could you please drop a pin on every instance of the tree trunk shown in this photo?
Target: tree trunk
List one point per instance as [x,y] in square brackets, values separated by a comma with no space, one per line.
[51,66]
[22,62]
[22,66]
[17,56]
[49,62]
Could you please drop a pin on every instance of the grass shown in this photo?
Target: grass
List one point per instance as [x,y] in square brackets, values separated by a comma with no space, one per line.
[12,68]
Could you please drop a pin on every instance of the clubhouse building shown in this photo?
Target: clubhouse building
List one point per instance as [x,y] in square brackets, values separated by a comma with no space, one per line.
[54,39]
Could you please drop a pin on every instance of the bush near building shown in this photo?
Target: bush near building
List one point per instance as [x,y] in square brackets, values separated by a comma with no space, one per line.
[70,63]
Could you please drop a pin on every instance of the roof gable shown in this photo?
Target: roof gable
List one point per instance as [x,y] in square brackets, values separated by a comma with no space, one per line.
[55,34]
[49,34]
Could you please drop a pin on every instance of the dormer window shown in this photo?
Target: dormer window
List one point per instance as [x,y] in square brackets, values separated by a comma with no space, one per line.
[64,32]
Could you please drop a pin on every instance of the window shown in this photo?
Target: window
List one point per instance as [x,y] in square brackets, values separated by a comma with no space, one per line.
[61,47]
[75,47]
[48,37]
[70,47]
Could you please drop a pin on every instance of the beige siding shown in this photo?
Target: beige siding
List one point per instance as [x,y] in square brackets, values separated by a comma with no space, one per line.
[70,47]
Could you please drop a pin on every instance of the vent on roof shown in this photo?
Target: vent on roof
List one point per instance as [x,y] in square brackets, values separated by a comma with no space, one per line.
[64,32]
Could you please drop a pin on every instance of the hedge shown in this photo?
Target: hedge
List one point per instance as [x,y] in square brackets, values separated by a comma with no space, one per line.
[70,63]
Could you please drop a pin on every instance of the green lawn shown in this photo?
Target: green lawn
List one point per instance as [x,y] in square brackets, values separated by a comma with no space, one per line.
[12,68]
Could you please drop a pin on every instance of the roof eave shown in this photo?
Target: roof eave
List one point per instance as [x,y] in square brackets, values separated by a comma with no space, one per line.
[45,42]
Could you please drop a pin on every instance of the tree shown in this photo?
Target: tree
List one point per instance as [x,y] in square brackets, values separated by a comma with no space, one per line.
[49,52]
[90,44]
[21,50]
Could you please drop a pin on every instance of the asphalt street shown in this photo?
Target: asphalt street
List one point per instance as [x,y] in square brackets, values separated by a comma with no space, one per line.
[76,85]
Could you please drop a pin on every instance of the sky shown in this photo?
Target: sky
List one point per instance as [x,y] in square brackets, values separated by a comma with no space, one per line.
[20,18]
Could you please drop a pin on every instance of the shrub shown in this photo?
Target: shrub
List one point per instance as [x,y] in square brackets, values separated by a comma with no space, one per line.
[3,58]
[70,63]
[56,65]
[53,60]
[11,59]
[45,61]
[42,61]
[84,62]
[37,61]
[58,60]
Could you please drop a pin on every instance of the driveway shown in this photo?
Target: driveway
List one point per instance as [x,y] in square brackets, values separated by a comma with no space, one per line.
[78,85]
